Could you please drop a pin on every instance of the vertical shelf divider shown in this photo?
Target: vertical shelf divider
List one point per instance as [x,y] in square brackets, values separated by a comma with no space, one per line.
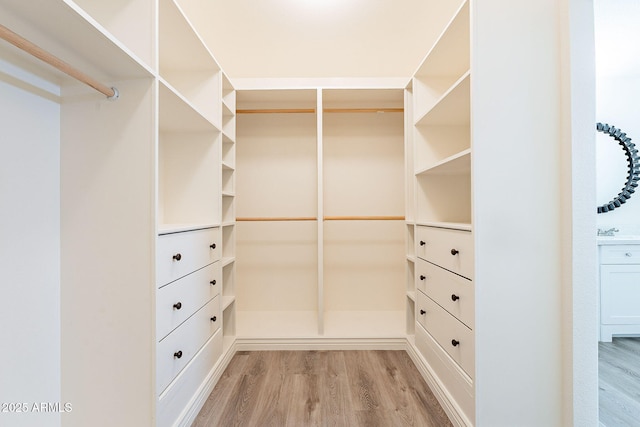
[320,216]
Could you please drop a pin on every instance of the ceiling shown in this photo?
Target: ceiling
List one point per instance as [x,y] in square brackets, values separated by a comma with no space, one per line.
[319,38]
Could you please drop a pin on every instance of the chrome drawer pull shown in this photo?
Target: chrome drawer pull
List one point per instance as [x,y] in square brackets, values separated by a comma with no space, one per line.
[455,343]
[214,318]
[212,246]
[454,252]
[177,306]
[422,277]
[213,282]
[422,243]
[454,297]
[422,312]
[177,354]
[177,257]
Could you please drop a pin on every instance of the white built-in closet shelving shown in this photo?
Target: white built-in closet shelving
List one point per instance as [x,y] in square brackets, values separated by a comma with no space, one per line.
[309,160]
[440,249]
[158,161]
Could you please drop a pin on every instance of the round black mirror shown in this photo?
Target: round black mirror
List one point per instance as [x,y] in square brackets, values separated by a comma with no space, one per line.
[633,163]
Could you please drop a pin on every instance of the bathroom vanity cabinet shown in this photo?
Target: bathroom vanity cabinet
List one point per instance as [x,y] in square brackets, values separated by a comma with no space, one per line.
[619,287]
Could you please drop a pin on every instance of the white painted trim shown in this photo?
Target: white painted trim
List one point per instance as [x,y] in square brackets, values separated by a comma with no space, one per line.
[189,414]
[454,412]
[261,344]
[320,211]
[323,83]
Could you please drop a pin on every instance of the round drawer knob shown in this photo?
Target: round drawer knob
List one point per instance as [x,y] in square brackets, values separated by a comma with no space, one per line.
[214,318]
[177,355]
[455,343]
[177,257]
[422,277]
[422,312]
[212,246]
[422,243]
[454,297]
[454,252]
[177,305]
[628,254]
[213,282]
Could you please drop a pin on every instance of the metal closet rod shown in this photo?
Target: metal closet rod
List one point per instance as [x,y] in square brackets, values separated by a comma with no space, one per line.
[326,218]
[32,49]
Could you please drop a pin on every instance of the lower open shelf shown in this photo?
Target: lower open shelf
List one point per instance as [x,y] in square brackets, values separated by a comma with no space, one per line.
[337,324]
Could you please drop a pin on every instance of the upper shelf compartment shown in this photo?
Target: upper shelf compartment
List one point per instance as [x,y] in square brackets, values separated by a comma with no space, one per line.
[130,21]
[362,100]
[66,31]
[276,101]
[445,64]
[187,64]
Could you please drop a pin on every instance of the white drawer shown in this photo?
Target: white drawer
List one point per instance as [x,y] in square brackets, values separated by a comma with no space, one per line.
[179,254]
[450,249]
[180,299]
[177,396]
[452,292]
[620,254]
[178,348]
[452,335]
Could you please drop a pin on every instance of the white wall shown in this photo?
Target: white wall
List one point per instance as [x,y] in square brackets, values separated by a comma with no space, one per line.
[617,103]
[319,38]
[29,247]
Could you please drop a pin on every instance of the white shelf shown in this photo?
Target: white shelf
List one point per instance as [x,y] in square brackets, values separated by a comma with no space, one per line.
[411,295]
[178,228]
[226,166]
[130,21]
[228,194]
[226,261]
[227,301]
[276,324]
[411,258]
[450,225]
[55,26]
[452,109]
[187,63]
[451,52]
[455,164]
[365,324]
[177,114]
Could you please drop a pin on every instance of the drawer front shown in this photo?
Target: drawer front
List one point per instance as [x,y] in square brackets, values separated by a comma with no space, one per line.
[177,301]
[452,292]
[453,336]
[620,254]
[450,249]
[179,254]
[177,396]
[178,348]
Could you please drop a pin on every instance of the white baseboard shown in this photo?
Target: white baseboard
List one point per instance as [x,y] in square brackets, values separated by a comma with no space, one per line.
[258,344]
[453,410]
[192,410]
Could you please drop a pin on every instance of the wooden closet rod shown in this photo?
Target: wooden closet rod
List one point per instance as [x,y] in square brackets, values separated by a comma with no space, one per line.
[365,218]
[43,55]
[363,110]
[278,218]
[326,110]
[277,111]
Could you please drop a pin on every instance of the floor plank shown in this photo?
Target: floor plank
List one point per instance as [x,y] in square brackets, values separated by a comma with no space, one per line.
[321,388]
[619,382]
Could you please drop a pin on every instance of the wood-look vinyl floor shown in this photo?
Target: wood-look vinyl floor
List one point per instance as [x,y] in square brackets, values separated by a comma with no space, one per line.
[321,388]
[619,382]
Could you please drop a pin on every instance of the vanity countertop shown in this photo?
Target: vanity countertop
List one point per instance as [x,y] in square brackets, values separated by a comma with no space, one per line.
[619,240]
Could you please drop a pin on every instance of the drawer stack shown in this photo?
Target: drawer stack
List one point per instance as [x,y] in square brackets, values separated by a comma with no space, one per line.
[188,316]
[445,306]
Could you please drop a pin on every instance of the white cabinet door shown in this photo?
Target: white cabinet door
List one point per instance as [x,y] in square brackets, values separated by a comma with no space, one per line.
[620,294]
